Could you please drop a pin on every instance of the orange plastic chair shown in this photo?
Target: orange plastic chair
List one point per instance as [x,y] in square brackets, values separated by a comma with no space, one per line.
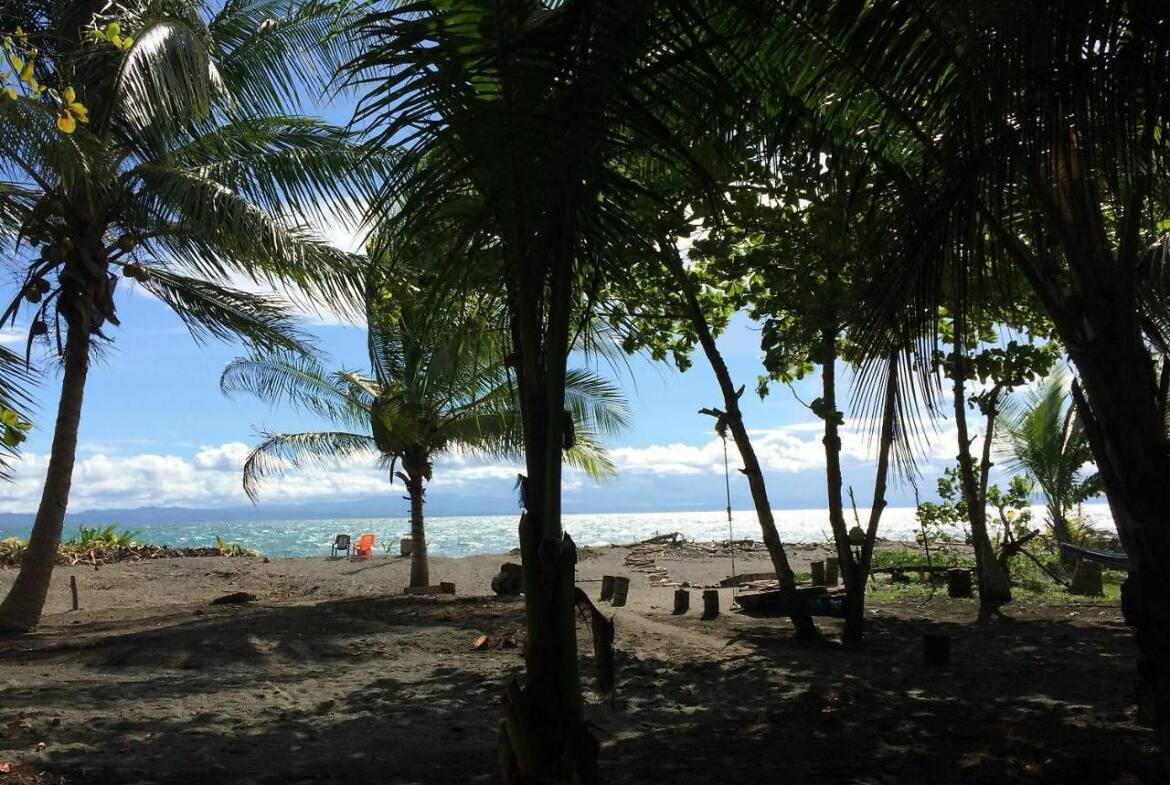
[365,546]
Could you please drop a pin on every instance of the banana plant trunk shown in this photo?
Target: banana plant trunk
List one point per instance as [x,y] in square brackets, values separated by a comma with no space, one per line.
[803,624]
[420,574]
[21,610]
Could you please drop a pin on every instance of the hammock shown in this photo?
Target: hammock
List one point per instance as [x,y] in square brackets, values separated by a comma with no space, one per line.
[1118,559]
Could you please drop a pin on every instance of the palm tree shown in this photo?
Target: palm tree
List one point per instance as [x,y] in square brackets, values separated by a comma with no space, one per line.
[155,139]
[533,120]
[438,386]
[1046,442]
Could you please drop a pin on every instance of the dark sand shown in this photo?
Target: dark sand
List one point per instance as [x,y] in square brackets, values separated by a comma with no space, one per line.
[333,677]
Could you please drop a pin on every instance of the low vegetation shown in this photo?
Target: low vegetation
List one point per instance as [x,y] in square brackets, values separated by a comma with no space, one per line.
[110,544]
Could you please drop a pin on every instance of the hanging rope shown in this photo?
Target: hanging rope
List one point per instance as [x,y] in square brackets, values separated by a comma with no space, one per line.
[721,429]
[730,530]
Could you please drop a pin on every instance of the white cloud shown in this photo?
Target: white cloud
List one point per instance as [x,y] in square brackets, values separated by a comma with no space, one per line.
[12,336]
[789,448]
[212,477]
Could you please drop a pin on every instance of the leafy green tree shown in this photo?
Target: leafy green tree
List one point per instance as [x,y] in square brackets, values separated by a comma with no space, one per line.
[155,139]
[999,367]
[1041,143]
[438,385]
[809,224]
[1045,441]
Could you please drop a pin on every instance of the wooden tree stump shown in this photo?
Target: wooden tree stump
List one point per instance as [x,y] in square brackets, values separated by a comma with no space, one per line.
[817,569]
[447,587]
[682,601]
[958,582]
[621,587]
[73,590]
[607,582]
[710,603]
[1086,579]
[936,649]
[405,546]
[832,570]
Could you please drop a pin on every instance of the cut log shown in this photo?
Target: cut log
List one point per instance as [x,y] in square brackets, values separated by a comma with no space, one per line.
[621,588]
[958,582]
[936,649]
[607,588]
[447,587]
[817,569]
[73,590]
[405,546]
[710,603]
[1086,580]
[832,570]
[682,601]
[235,598]
[747,577]
[481,642]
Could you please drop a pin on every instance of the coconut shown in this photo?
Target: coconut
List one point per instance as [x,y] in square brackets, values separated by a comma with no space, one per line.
[32,293]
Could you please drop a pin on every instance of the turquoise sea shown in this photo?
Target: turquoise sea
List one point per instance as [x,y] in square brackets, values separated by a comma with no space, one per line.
[465,536]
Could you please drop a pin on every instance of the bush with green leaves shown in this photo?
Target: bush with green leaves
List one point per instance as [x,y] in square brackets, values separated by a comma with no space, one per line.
[234,548]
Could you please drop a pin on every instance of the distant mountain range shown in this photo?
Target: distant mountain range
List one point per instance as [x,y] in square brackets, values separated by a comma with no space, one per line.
[360,508]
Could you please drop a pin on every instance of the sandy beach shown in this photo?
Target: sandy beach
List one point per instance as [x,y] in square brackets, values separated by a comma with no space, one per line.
[333,676]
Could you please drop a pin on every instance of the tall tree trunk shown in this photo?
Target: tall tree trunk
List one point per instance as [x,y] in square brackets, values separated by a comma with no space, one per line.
[420,573]
[1116,400]
[859,569]
[21,609]
[994,587]
[544,733]
[805,628]
[832,444]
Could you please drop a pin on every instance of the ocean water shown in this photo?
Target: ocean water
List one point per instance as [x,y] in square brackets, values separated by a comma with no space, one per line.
[465,536]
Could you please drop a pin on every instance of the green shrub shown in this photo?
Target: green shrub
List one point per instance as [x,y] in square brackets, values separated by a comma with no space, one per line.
[234,548]
[95,538]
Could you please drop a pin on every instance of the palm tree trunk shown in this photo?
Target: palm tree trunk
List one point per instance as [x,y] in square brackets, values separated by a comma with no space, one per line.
[21,609]
[1124,426]
[420,574]
[803,624]
[544,736]
[994,587]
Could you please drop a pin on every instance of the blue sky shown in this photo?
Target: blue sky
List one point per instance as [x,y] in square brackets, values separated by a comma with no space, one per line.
[156,431]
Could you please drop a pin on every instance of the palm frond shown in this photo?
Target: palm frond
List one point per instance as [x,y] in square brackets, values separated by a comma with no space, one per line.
[588,454]
[165,80]
[271,52]
[595,403]
[16,379]
[286,164]
[1044,440]
[200,225]
[298,380]
[279,452]
[210,310]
